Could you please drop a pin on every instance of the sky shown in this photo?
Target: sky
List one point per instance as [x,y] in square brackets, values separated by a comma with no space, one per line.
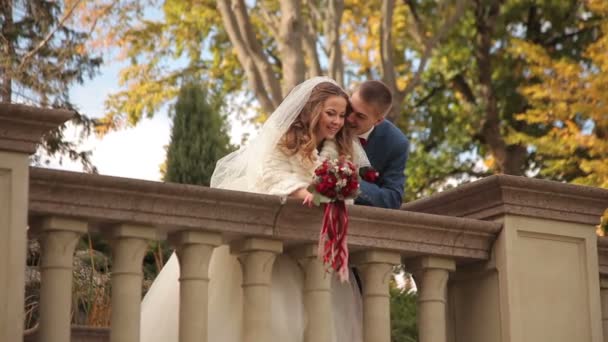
[135,152]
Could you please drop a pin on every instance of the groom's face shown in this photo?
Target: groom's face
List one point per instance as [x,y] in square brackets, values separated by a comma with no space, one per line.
[364,115]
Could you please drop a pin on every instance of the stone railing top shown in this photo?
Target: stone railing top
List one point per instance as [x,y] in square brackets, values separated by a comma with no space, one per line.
[103,201]
[22,127]
[498,195]
[602,248]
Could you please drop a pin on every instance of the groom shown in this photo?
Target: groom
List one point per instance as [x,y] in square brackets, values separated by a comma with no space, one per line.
[385,145]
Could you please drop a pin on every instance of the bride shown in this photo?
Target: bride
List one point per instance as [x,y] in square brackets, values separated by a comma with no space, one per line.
[306,128]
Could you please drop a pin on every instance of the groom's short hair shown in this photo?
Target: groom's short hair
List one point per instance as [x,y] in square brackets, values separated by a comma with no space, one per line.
[377,94]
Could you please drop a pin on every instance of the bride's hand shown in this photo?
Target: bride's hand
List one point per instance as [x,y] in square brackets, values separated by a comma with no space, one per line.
[304,195]
[308,200]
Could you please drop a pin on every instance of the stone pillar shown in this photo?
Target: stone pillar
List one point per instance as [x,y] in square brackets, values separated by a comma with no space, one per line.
[14,174]
[21,128]
[317,295]
[58,240]
[193,251]
[604,299]
[376,270]
[431,276]
[129,245]
[257,257]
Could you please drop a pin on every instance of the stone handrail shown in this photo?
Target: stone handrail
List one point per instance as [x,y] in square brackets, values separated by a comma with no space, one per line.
[63,205]
[22,126]
[103,200]
[498,195]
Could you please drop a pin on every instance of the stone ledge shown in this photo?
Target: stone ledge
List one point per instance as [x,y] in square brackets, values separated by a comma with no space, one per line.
[22,127]
[495,196]
[104,200]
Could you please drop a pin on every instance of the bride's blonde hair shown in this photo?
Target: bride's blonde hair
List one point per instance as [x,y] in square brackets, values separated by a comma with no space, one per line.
[301,136]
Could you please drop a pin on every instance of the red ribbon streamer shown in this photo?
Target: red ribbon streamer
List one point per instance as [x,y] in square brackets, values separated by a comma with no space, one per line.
[332,241]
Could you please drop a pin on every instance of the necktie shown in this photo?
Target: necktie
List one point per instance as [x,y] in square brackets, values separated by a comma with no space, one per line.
[363,141]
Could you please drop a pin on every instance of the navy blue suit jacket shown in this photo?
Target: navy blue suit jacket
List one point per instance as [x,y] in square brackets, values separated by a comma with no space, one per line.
[387,150]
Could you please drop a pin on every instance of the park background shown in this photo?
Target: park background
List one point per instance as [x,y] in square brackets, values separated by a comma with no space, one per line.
[165,88]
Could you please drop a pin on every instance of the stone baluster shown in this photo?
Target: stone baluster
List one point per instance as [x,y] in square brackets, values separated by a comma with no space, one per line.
[129,244]
[431,276]
[257,257]
[194,253]
[317,295]
[59,237]
[376,269]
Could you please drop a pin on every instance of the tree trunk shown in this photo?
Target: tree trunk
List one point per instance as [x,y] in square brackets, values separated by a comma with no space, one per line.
[509,159]
[259,73]
[8,50]
[290,44]
[310,49]
[386,56]
[427,48]
[335,10]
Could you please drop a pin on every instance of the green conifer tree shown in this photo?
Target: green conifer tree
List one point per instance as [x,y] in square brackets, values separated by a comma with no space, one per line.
[198,138]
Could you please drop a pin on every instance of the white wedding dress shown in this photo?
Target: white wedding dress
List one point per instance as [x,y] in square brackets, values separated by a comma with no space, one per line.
[159,321]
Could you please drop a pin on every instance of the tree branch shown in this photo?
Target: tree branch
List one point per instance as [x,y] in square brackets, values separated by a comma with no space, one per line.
[558,39]
[509,158]
[254,78]
[48,37]
[8,50]
[429,44]
[271,22]
[290,44]
[310,43]
[315,13]
[429,95]
[386,44]
[459,84]
[418,29]
[271,83]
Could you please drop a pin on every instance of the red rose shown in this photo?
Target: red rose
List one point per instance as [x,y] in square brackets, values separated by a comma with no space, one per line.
[321,170]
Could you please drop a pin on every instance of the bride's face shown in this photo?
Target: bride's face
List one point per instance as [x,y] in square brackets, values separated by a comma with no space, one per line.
[332,117]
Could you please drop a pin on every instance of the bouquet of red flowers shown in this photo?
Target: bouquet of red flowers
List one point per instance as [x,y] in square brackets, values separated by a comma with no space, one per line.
[335,181]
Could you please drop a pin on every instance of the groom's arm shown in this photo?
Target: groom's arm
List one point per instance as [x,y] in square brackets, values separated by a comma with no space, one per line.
[389,193]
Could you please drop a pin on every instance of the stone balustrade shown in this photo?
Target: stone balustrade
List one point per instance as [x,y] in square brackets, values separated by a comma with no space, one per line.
[195,219]
[489,258]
